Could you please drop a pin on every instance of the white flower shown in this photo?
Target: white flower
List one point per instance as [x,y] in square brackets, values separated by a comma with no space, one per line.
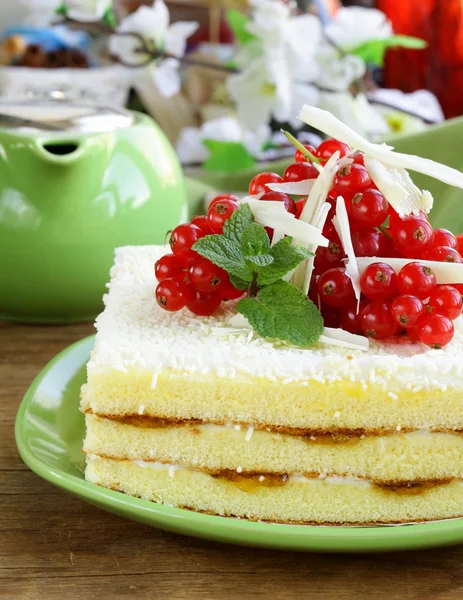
[191,149]
[266,90]
[277,67]
[355,25]
[152,23]
[338,72]
[87,10]
[422,103]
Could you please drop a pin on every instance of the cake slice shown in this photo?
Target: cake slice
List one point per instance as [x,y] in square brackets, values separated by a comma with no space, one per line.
[180,413]
[290,362]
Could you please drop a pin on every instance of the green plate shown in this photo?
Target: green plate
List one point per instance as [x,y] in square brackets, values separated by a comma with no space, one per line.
[49,434]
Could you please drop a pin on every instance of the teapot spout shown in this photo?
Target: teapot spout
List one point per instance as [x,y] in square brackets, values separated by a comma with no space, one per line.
[61,151]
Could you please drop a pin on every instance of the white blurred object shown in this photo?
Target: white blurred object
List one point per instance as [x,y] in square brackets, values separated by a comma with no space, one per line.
[277,67]
[152,23]
[191,149]
[87,11]
[106,85]
[338,72]
[354,25]
[421,103]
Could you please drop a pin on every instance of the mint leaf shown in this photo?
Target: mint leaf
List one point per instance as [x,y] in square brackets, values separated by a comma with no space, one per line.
[260,260]
[237,22]
[240,284]
[285,258]
[255,241]
[373,51]
[281,311]
[227,157]
[234,228]
[109,18]
[224,253]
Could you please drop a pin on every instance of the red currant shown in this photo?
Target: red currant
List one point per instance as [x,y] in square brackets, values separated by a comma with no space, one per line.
[407,310]
[413,236]
[351,179]
[379,281]
[329,257]
[416,279]
[446,300]
[459,238]
[171,294]
[329,147]
[201,222]
[458,287]
[300,157]
[299,171]
[219,213]
[289,203]
[183,238]
[368,208]
[366,242]
[202,303]
[386,248]
[436,331]
[377,321]
[358,158]
[205,276]
[259,183]
[443,254]
[229,291]
[335,287]
[350,317]
[329,231]
[444,237]
[169,266]
[331,315]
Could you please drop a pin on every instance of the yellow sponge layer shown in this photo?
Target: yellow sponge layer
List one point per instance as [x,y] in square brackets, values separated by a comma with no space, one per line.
[392,458]
[260,402]
[297,501]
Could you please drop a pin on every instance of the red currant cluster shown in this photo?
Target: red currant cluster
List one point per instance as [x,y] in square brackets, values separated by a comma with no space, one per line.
[409,302]
[186,278]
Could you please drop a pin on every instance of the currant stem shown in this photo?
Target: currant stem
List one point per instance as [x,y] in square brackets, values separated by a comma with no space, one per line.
[301,147]
[252,290]
[384,231]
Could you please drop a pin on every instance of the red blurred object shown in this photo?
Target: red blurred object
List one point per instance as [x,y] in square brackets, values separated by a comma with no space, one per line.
[439,67]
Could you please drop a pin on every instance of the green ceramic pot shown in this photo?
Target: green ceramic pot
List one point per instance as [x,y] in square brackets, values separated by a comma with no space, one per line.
[72,188]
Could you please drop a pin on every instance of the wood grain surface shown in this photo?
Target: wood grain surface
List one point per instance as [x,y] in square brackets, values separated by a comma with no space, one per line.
[53,546]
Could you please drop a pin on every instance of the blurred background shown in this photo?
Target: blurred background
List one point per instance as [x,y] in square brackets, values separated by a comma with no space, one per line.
[129,115]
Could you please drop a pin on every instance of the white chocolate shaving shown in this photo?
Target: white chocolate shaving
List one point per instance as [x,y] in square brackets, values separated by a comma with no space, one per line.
[298,188]
[344,339]
[327,123]
[398,188]
[341,224]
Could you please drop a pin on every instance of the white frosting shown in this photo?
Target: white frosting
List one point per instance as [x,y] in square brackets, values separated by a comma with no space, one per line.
[134,332]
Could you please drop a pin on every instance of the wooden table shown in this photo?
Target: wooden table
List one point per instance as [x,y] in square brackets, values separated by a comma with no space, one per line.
[53,546]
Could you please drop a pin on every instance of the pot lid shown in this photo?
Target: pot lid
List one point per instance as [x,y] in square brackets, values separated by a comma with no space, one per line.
[54,114]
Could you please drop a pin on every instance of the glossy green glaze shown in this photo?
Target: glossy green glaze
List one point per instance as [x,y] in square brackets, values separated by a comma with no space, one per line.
[61,216]
[49,434]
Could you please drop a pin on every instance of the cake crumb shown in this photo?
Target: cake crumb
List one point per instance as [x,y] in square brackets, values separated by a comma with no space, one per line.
[261,478]
[141,410]
[393,396]
[239,469]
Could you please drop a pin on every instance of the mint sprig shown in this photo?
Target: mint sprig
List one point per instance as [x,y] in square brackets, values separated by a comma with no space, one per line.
[281,311]
[275,308]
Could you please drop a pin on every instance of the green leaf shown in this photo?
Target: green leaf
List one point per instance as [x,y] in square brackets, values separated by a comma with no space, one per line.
[285,258]
[109,18]
[373,51]
[237,22]
[240,220]
[227,157]
[240,284]
[260,260]
[281,311]
[224,253]
[255,241]
[61,9]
